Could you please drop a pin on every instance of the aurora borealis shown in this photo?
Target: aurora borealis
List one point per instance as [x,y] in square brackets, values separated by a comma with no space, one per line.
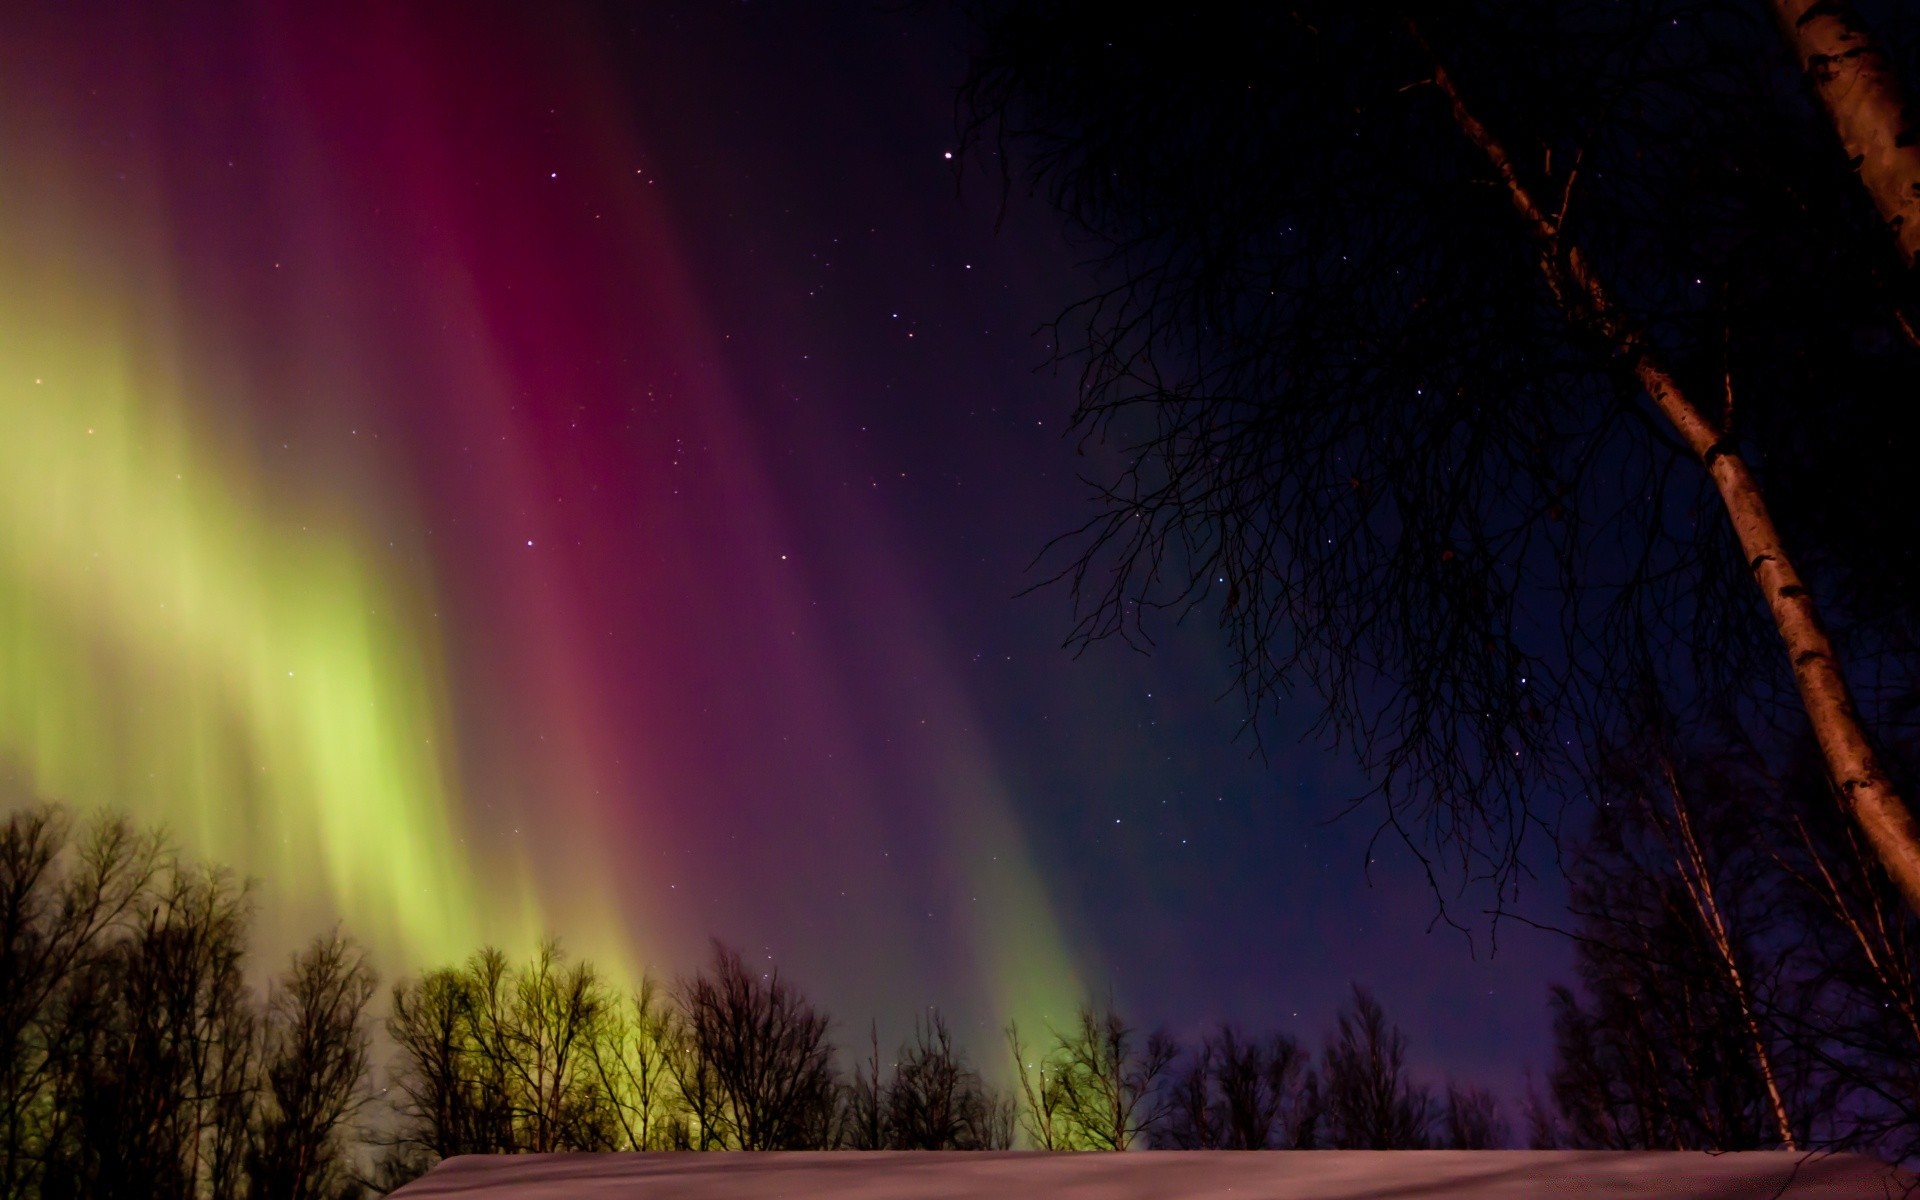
[482,471]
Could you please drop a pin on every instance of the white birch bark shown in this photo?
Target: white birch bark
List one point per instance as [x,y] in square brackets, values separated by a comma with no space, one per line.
[1870,796]
[1695,876]
[1857,86]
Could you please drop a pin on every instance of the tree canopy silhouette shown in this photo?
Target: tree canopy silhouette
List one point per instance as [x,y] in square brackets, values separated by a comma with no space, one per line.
[1441,350]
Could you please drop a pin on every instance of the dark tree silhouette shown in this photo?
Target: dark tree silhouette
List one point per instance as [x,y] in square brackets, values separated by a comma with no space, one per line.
[313,1075]
[143,1066]
[1441,357]
[546,1036]
[761,1050]
[935,1101]
[1237,1093]
[1682,967]
[1370,1103]
[632,1059]
[496,1059]
[1740,987]
[1853,959]
[1470,1119]
[866,1109]
[156,1077]
[63,900]
[1100,1086]
[1043,1111]
[441,1109]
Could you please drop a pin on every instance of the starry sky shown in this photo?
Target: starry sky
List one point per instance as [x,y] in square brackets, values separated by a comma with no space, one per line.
[488,469]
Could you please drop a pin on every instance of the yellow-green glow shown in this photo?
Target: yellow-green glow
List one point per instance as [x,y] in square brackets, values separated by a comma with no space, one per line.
[179,645]
[1030,976]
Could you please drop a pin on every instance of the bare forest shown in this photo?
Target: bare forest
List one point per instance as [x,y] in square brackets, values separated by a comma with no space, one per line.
[1730,998]
[139,1061]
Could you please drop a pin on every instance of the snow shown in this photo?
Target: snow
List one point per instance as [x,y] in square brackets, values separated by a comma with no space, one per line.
[1163,1175]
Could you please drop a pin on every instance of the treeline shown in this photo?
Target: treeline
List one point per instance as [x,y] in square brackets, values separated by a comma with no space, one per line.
[137,1060]
[545,1056]
[1741,986]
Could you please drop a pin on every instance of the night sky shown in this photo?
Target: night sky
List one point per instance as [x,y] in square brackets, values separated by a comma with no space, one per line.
[484,469]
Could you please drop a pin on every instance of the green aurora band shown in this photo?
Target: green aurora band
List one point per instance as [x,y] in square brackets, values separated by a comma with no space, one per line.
[172,646]
[209,637]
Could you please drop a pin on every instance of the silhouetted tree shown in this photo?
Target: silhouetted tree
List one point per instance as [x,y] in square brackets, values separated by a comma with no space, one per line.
[1853,960]
[1370,1102]
[397,1164]
[1470,1119]
[496,1059]
[1429,337]
[1544,1128]
[1312,1115]
[1099,1086]
[632,1057]
[935,1101]
[546,1038]
[1238,1094]
[1674,1041]
[1743,984]
[996,1120]
[313,1075]
[1195,1120]
[866,1119]
[156,1076]
[700,1121]
[761,1050]
[1043,1115]
[441,1108]
[64,899]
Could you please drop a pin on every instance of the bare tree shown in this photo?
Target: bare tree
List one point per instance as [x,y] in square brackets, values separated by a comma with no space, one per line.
[1697,877]
[397,1164]
[926,1098]
[1100,1085]
[631,1057]
[438,1103]
[997,1121]
[1194,1117]
[1371,1103]
[866,1121]
[557,1010]
[1676,1039]
[1238,1094]
[1854,997]
[1470,1119]
[1043,1116]
[1306,1131]
[314,1075]
[156,1078]
[1825,694]
[935,1101]
[700,1122]
[766,1049]
[498,1059]
[1544,1128]
[63,901]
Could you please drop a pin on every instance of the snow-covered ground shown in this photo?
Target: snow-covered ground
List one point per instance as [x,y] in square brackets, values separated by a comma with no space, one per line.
[1171,1175]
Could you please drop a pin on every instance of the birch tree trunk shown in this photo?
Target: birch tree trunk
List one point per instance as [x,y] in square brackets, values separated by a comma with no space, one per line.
[1695,876]
[1869,795]
[1857,86]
